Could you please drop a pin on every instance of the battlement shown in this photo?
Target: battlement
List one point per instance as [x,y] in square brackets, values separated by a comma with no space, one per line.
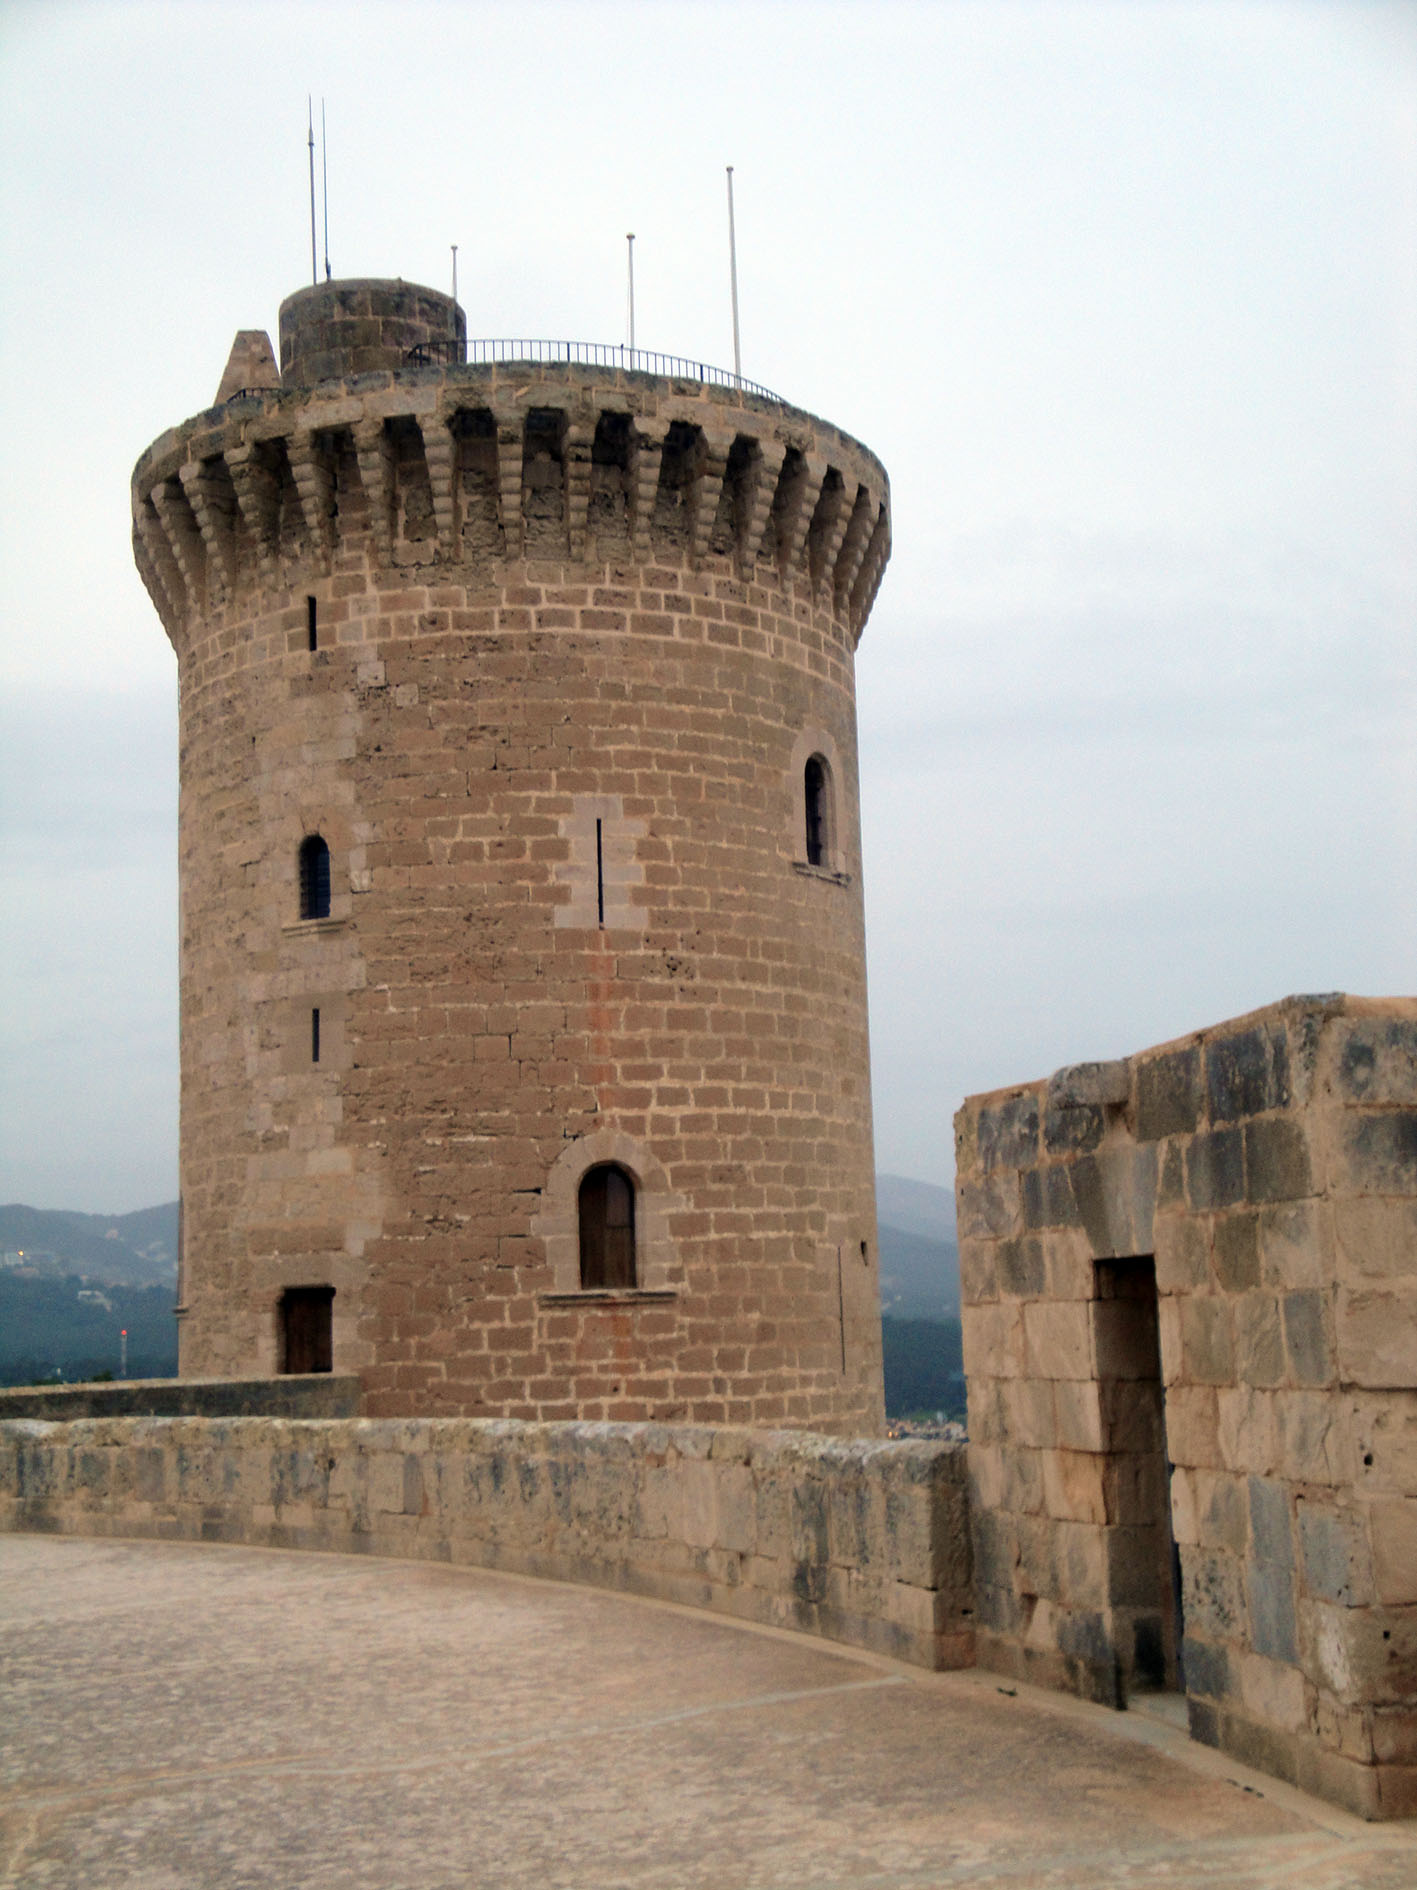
[488,463]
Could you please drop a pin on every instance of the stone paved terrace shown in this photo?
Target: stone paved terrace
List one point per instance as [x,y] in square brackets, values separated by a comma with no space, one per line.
[179,1715]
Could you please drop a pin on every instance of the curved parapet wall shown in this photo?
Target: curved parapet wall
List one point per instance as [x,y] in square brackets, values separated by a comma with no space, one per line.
[534,664]
[866,1543]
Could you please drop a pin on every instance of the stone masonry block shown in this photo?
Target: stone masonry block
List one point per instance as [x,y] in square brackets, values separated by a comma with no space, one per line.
[1259,1344]
[989,1206]
[1020,1268]
[1294,1251]
[1247,1073]
[1182,1261]
[1307,1337]
[1392,1529]
[1248,1423]
[1377,1336]
[1115,1192]
[1168,1091]
[1077,1405]
[1193,1426]
[1058,1340]
[1006,1133]
[1074,1484]
[1273,1627]
[1277,1160]
[1377,1152]
[1377,1059]
[1271,1538]
[1337,1563]
[1312,1441]
[1206,1350]
[1048,1197]
[1383,1434]
[993,1339]
[1215,1170]
[1237,1250]
[1376,1239]
[1213,1594]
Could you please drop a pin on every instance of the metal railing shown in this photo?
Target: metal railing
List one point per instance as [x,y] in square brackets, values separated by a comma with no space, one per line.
[454,352]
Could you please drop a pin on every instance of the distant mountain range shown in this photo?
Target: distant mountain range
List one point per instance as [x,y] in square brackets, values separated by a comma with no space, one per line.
[138,1249]
[45,1250]
[919,1250]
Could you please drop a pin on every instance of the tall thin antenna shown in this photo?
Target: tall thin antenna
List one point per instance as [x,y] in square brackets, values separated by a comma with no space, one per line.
[325,181]
[310,126]
[630,240]
[733,280]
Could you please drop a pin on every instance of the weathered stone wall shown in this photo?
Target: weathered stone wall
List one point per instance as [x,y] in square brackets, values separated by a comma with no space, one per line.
[865,1542]
[1269,1167]
[576,633]
[297,1395]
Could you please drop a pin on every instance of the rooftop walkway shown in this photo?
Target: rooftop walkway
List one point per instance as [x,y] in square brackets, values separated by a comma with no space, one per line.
[178,1717]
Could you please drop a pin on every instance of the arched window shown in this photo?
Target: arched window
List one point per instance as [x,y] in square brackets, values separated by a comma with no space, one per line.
[816,794]
[314,878]
[606,1212]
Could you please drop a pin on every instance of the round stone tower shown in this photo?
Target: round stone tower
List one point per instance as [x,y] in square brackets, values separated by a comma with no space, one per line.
[524,1051]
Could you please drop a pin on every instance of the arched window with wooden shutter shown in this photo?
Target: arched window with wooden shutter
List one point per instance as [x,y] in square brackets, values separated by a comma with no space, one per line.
[606,1213]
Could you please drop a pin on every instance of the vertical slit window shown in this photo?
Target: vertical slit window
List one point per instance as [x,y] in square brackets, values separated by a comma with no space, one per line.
[606,1213]
[815,795]
[315,1036]
[310,628]
[314,878]
[599,872]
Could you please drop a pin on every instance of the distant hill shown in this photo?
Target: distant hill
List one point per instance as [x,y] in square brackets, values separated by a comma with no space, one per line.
[916,1207]
[924,1367]
[138,1249]
[919,1252]
[64,1328]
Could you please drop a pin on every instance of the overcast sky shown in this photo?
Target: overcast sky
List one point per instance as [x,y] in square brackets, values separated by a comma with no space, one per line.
[1124,296]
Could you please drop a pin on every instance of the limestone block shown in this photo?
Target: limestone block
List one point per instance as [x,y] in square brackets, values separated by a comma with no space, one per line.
[1259,1343]
[1207,1355]
[1235,1247]
[1336,1560]
[1375,1059]
[1308,1337]
[1077,1407]
[1248,1423]
[1215,1170]
[994,1339]
[1384,1442]
[1185,1516]
[1377,1152]
[1277,1166]
[1311,1438]
[1272,1691]
[1376,1239]
[1377,1335]
[1168,1092]
[1392,1530]
[1247,1073]
[1182,1259]
[1364,1654]
[1273,1624]
[1074,1485]
[1115,1192]
[989,1205]
[978,1276]
[1058,1340]
[1081,1562]
[1294,1248]
[1271,1536]
[1028,1412]
[1193,1426]
[1067,1254]
[1047,1197]
[1007,1130]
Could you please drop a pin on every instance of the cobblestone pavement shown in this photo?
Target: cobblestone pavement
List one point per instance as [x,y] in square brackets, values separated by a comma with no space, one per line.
[175,1716]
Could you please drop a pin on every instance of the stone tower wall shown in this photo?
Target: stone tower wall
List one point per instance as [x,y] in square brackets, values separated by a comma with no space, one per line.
[554,606]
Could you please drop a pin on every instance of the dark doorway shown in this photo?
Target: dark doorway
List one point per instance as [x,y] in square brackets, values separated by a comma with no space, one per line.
[1143,1566]
[307,1329]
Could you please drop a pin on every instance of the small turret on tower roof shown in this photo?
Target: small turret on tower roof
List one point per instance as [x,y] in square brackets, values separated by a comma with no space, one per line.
[251,363]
